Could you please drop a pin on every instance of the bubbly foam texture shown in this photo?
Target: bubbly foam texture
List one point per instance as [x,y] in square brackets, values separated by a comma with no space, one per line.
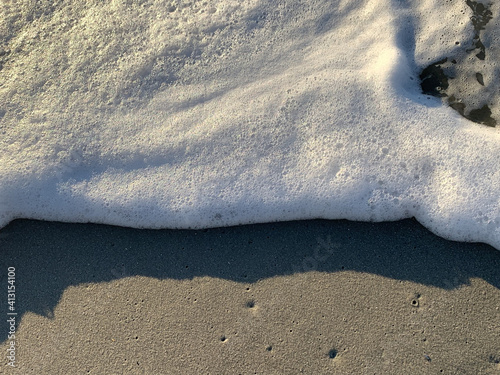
[474,69]
[191,114]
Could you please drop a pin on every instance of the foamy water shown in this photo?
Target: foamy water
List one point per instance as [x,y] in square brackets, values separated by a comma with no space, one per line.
[177,114]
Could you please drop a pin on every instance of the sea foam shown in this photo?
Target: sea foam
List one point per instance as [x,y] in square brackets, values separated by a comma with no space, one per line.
[192,114]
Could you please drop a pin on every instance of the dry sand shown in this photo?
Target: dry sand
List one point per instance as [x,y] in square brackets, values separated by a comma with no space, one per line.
[316,297]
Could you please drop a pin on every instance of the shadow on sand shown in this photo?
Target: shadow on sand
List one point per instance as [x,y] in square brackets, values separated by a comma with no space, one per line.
[50,256]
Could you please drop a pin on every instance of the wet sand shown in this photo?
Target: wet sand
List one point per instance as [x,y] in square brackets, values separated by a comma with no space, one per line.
[312,297]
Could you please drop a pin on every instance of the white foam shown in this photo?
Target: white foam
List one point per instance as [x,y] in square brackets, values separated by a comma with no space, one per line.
[197,114]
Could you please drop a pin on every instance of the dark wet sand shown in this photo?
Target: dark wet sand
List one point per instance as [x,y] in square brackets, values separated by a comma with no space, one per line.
[312,297]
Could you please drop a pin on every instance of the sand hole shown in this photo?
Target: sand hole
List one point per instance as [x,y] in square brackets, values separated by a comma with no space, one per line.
[332,353]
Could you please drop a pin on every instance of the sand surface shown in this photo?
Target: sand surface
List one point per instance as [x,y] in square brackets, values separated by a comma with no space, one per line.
[315,297]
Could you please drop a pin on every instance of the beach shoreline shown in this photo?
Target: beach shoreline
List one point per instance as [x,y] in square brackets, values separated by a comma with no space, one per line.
[311,297]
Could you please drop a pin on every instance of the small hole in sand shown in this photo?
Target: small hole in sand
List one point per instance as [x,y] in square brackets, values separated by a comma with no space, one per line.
[332,353]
